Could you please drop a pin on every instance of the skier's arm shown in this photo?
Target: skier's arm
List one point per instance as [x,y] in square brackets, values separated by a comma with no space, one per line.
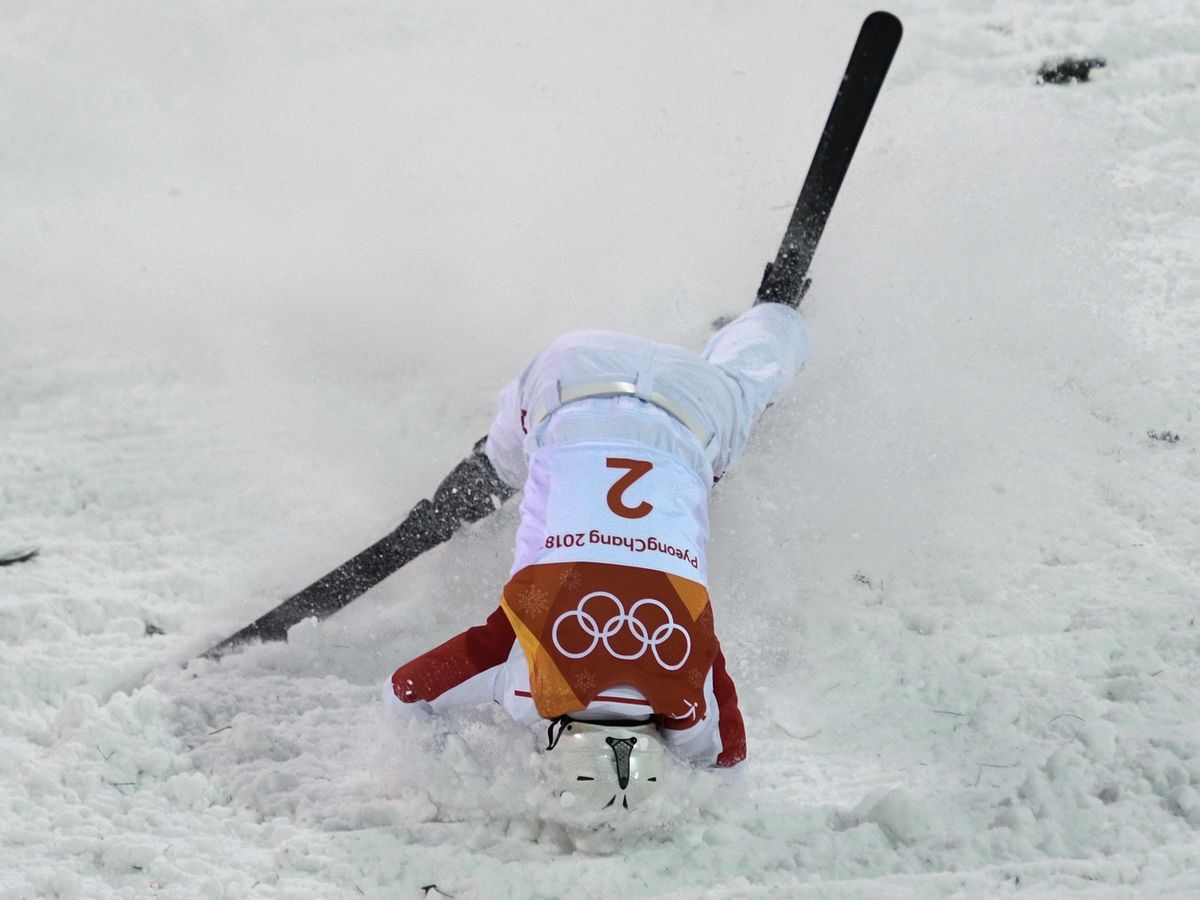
[463,670]
[719,739]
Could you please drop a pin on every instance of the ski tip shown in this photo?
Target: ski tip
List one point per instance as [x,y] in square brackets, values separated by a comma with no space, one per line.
[230,645]
[884,24]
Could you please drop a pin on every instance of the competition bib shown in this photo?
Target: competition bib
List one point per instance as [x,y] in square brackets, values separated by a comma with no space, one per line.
[609,584]
[625,504]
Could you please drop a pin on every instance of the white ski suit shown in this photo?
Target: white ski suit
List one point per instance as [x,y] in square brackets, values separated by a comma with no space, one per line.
[616,441]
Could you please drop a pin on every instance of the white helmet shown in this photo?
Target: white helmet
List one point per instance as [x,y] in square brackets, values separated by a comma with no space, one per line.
[603,765]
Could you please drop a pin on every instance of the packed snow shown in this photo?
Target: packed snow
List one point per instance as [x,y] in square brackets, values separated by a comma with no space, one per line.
[265,268]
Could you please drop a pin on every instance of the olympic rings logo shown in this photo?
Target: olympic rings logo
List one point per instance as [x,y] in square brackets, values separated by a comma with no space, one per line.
[640,631]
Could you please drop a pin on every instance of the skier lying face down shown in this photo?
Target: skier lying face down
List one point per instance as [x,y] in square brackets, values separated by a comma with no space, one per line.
[616,442]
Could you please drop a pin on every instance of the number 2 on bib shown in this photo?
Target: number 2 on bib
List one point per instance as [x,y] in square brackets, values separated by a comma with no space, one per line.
[616,502]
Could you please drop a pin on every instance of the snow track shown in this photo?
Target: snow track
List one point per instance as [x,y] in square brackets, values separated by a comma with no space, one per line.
[265,267]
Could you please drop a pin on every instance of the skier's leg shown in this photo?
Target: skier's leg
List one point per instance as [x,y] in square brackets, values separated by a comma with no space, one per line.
[761,350]
[506,437]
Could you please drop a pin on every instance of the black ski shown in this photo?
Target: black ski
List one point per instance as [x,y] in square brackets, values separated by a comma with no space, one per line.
[473,489]
[785,280]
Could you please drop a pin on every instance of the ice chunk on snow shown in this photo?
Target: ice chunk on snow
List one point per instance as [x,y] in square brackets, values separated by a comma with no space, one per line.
[904,818]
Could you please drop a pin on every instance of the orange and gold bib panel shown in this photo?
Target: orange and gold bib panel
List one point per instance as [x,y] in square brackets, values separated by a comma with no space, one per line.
[587,627]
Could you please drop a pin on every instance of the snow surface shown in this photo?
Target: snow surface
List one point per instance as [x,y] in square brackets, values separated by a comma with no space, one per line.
[266,265]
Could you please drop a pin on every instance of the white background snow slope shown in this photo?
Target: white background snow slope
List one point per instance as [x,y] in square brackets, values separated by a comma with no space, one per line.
[265,266]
